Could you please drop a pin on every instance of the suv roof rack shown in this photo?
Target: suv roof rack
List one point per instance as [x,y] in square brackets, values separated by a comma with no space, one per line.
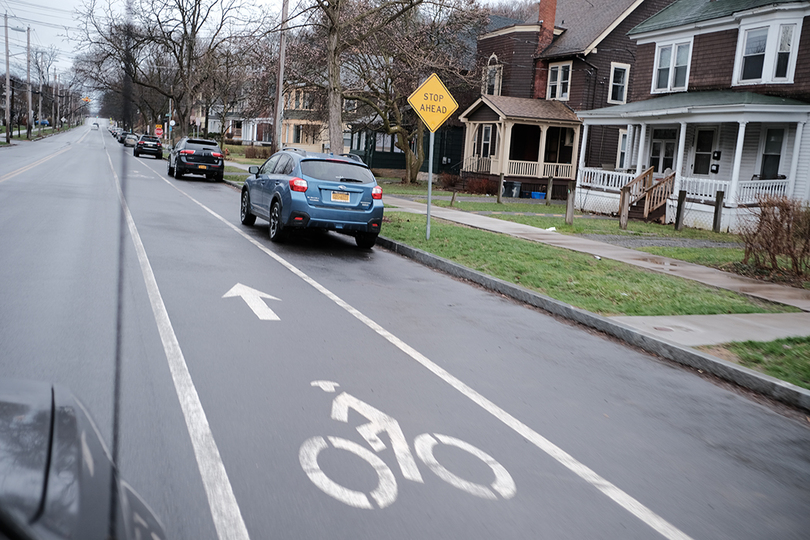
[296,150]
[354,157]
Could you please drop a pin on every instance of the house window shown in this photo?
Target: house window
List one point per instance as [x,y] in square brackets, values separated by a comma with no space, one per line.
[783,52]
[619,74]
[754,54]
[672,67]
[486,140]
[772,153]
[559,76]
[297,134]
[621,153]
[766,53]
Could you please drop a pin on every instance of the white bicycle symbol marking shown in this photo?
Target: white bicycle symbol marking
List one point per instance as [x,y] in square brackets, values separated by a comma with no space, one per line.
[386,491]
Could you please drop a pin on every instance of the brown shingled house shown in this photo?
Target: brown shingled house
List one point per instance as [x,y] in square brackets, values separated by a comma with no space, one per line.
[537,76]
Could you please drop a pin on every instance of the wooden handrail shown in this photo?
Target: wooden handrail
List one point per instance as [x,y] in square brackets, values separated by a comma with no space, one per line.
[658,193]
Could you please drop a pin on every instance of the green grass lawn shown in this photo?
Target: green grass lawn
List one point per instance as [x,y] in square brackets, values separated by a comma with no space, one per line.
[600,286]
[786,359]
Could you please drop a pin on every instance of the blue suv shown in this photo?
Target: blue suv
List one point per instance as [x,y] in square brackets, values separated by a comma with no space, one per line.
[295,189]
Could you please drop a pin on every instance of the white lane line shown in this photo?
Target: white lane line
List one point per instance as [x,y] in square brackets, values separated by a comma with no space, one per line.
[224,508]
[623,499]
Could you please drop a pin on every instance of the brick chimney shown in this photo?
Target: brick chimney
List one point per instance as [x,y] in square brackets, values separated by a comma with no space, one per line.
[546,14]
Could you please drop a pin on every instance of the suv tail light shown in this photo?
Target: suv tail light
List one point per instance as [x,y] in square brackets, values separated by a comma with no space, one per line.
[186,151]
[298,184]
[216,154]
[376,192]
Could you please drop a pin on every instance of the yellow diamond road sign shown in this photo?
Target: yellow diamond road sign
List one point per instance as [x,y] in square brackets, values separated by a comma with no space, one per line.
[432,102]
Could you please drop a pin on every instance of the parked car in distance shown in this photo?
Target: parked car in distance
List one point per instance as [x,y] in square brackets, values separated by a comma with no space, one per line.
[196,156]
[56,474]
[122,135]
[130,139]
[296,189]
[149,144]
[94,126]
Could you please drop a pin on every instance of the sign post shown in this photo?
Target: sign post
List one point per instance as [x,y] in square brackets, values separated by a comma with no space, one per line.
[434,105]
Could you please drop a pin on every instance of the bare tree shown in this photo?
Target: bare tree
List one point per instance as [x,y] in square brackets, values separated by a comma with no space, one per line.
[170,43]
[521,10]
[344,25]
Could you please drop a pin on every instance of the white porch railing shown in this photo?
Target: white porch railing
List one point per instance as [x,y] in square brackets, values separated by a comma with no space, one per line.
[523,168]
[604,179]
[559,170]
[704,188]
[749,190]
[478,164]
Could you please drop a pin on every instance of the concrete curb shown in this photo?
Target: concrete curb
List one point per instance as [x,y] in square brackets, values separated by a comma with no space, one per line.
[742,376]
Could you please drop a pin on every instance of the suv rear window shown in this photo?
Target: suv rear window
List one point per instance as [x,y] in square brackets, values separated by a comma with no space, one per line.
[149,138]
[336,171]
[199,144]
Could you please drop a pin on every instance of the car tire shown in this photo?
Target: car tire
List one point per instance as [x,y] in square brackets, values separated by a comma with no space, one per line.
[178,173]
[277,232]
[136,154]
[244,212]
[169,167]
[365,240]
[219,177]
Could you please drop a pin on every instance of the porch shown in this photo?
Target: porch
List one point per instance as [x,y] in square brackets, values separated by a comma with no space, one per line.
[745,145]
[524,140]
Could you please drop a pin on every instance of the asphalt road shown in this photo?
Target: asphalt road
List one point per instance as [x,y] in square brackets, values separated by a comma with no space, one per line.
[369,397]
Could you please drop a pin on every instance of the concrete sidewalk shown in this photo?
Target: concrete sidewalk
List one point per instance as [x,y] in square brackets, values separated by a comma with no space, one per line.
[688,330]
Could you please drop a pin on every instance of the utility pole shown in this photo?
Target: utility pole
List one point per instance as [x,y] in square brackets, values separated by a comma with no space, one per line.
[57,97]
[276,146]
[8,88]
[28,67]
[53,100]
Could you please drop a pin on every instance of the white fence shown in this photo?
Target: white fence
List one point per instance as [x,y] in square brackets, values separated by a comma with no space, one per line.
[749,190]
[604,179]
[523,168]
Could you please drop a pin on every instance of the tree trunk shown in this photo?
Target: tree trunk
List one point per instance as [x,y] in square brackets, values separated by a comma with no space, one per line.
[334,93]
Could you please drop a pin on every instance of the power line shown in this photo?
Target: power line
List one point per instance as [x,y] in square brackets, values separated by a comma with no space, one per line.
[38,6]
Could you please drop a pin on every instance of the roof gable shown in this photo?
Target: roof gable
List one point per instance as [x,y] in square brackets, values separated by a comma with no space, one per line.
[584,25]
[522,108]
[683,12]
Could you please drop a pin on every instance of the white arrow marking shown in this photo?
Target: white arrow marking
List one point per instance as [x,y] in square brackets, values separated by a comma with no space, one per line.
[326,386]
[253,299]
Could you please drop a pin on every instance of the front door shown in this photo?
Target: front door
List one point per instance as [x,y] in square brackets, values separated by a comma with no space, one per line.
[662,150]
[704,146]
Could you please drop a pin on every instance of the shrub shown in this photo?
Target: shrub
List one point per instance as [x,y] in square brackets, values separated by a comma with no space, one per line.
[257,152]
[780,230]
[482,186]
[450,182]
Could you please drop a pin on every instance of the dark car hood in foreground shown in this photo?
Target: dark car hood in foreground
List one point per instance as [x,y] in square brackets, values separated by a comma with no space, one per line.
[55,471]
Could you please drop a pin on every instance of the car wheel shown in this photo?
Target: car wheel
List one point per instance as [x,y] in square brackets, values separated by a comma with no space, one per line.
[169,167]
[365,240]
[136,154]
[277,233]
[247,217]
[177,172]
[220,177]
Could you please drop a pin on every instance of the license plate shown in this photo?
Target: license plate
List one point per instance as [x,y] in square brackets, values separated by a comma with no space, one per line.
[340,196]
[202,167]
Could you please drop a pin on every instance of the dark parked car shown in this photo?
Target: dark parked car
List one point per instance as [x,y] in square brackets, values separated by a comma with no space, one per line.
[122,135]
[295,189]
[149,144]
[196,156]
[56,474]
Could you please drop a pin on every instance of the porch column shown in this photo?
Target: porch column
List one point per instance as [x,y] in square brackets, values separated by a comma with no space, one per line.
[628,148]
[679,166]
[541,155]
[794,161]
[469,144]
[735,171]
[575,151]
[504,149]
[641,136]
[583,150]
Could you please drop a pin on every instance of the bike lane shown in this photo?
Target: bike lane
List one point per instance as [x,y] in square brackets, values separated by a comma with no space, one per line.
[255,380]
